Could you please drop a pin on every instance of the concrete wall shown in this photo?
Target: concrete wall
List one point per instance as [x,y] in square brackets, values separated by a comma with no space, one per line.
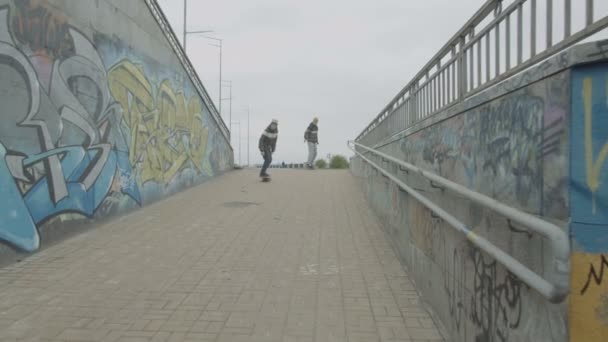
[522,143]
[589,204]
[97,117]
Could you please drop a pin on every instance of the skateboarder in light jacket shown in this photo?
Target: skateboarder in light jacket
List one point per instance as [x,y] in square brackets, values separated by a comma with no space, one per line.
[267,145]
[312,137]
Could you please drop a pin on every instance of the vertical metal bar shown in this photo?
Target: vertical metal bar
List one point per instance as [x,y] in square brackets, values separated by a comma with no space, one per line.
[434,93]
[408,110]
[429,91]
[399,117]
[462,70]
[549,23]
[488,57]
[453,66]
[508,42]
[479,61]
[425,107]
[454,81]
[410,107]
[520,28]
[532,28]
[437,97]
[416,115]
[436,102]
[403,117]
[444,75]
[414,97]
[497,47]
[429,96]
[443,88]
[415,109]
[429,99]
[440,89]
[425,104]
[448,83]
[567,18]
[437,91]
[589,12]
[414,94]
[471,54]
[426,100]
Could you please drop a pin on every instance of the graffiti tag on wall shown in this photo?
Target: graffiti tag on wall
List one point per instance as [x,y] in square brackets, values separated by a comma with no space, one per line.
[589,197]
[512,149]
[166,130]
[589,191]
[77,135]
[65,154]
[496,306]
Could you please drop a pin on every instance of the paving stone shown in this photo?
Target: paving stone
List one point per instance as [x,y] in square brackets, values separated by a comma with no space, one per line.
[299,259]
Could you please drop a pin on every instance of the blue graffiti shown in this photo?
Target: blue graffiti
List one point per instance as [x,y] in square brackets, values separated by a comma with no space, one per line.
[19,219]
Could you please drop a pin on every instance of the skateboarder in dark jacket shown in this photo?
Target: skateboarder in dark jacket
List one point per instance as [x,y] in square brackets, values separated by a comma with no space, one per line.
[267,145]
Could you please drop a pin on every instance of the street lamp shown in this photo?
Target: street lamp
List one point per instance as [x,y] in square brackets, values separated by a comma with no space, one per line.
[219,45]
[248,110]
[186,32]
[229,85]
[238,123]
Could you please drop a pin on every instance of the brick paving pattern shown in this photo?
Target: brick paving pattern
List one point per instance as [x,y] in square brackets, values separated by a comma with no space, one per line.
[301,258]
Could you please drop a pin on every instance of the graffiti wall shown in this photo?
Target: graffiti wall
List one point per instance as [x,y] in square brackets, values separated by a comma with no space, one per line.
[589,198]
[90,127]
[514,148]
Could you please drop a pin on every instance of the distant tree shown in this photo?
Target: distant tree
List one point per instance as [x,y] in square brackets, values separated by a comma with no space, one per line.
[321,164]
[338,162]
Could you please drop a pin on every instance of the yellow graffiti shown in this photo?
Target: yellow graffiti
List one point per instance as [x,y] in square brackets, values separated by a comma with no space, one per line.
[588,316]
[167,131]
[593,167]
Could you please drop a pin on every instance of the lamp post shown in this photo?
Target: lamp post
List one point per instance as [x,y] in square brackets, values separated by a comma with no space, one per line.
[248,139]
[229,85]
[186,32]
[238,123]
[219,45]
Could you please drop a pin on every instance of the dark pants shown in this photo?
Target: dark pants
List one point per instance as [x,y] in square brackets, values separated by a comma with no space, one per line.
[267,160]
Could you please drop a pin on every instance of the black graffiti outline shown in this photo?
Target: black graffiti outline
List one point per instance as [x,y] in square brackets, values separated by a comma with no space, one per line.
[493,301]
[597,278]
[455,289]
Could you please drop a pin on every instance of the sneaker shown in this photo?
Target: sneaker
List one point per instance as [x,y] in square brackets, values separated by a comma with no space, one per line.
[264,175]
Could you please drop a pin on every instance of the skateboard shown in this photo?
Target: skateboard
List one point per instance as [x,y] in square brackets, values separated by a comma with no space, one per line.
[265,179]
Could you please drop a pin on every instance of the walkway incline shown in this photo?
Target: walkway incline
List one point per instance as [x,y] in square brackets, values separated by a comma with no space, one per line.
[302,258]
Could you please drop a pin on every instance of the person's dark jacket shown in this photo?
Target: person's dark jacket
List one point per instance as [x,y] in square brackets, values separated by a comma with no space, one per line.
[312,133]
[268,140]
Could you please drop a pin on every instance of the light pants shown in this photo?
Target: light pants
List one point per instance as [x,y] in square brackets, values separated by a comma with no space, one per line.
[312,153]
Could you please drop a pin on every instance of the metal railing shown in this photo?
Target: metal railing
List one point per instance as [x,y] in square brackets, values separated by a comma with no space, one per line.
[480,55]
[560,246]
[162,21]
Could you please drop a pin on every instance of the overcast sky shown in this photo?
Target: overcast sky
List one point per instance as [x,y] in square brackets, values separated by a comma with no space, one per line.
[340,60]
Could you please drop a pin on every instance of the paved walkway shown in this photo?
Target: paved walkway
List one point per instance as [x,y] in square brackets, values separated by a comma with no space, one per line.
[299,259]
